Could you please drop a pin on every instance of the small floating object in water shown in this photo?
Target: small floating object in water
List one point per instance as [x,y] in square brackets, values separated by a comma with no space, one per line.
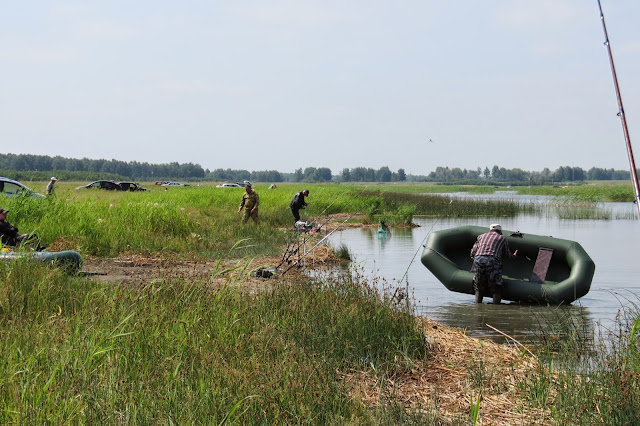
[383,229]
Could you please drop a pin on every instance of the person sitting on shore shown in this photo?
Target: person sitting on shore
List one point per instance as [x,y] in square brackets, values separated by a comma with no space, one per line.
[10,236]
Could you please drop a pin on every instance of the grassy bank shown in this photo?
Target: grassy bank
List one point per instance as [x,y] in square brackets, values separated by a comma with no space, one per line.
[203,220]
[177,352]
[587,383]
[335,351]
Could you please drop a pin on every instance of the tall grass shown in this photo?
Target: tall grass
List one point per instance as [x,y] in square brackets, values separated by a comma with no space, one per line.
[184,352]
[203,221]
[615,191]
[589,382]
[436,205]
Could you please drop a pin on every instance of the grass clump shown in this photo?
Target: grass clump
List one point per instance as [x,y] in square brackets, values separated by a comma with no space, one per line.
[406,203]
[184,352]
[581,382]
[342,252]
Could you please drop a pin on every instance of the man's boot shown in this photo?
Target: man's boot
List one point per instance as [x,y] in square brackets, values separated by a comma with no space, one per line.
[476,287]
[496,290]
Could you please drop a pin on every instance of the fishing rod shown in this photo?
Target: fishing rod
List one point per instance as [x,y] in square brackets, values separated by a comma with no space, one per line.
[291,249]
[318,243]
[327,207]
[625,130]
[336,199]
[291,246]
[406,272]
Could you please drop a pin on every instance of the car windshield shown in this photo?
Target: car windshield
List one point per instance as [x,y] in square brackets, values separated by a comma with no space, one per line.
[10,188]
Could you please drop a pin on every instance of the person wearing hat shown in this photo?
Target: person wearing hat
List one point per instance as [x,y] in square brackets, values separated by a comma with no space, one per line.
[297,203]
[487,254]
[10,236]
[51,190]
[250,202]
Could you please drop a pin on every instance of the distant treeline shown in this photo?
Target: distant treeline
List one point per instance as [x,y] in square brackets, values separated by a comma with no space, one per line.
[99,169]
[41,167]
[500,174]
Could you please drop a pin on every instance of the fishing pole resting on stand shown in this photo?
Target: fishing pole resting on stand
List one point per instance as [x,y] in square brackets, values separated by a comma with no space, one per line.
[303,231]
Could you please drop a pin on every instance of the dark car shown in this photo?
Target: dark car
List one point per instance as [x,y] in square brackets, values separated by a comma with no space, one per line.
[13,188]
[102,184]
[131,186]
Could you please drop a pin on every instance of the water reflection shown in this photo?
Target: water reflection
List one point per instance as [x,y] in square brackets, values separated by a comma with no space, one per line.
[526,324]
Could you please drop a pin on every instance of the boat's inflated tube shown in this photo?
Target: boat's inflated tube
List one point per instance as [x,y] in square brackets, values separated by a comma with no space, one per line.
[69,260]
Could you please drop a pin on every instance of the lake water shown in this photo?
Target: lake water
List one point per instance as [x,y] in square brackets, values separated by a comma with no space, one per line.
[612,244]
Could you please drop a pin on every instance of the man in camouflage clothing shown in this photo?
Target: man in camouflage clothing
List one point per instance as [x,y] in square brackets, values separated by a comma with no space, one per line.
[250,202]
[487,254]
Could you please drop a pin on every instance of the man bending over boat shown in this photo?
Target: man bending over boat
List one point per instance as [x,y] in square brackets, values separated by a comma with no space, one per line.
[487,254]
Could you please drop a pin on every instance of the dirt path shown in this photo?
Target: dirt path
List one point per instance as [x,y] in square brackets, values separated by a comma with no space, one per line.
[134,270]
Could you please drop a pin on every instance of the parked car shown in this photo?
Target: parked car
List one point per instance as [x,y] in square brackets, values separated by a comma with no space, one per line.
[173,184]
[102,184]
[13,188]
[229,185]
[131,186]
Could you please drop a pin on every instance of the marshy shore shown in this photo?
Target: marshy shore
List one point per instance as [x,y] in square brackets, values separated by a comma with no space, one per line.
[178,331]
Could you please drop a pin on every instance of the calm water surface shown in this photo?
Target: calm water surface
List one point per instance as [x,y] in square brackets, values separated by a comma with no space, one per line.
[613,245]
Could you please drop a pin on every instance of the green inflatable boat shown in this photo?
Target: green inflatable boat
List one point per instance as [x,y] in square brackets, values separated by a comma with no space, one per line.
[547,270]
[69,260]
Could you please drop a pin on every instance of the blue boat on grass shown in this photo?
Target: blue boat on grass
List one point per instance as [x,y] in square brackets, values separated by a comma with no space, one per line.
[69,260]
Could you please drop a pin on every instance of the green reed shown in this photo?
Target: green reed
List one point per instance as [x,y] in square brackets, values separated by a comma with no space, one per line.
[593,192]
[183,352]
[437,205]
[584,381]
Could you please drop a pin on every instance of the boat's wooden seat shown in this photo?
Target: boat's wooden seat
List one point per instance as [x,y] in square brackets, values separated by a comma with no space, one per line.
[542,265]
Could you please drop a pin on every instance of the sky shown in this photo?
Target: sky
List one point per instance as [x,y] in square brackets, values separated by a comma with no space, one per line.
[288,84]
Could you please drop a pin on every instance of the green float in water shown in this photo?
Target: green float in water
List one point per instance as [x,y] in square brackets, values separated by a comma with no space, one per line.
[570,269]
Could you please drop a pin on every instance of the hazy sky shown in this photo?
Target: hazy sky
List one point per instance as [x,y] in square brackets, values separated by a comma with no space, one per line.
[264,85]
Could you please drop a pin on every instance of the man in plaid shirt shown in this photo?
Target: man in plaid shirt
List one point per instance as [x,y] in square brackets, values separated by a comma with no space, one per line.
[487,254]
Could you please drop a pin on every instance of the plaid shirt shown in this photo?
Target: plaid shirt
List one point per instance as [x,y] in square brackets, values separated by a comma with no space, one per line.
[491,244]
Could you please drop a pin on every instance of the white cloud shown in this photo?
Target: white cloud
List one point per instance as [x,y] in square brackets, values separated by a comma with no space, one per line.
[17,52]
[290,12]
[109,30]
[525,15]
[632,47]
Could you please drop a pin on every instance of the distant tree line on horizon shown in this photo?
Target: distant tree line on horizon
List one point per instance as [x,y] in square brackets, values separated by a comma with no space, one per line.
[546,176]
[39,167]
